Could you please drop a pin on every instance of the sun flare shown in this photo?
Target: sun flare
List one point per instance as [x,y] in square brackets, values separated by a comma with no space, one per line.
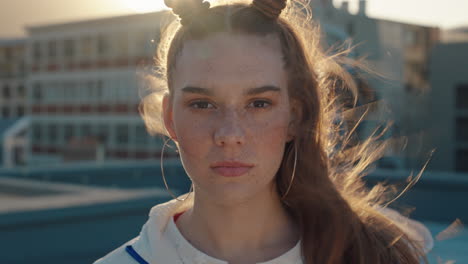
[144,6]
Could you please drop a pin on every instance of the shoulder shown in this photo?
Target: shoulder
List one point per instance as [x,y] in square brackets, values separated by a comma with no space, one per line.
[150,240]
[117,256]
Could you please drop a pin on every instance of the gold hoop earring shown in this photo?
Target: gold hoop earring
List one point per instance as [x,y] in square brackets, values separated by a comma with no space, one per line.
[164,177]
[293,174]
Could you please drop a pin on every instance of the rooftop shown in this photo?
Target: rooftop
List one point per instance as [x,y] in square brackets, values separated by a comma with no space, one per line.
[20,195]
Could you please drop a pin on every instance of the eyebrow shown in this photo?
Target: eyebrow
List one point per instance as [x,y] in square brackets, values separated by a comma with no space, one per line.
[197,90]
[263,89]
[250,91]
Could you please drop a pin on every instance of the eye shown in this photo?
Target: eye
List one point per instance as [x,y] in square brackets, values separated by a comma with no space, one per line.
[201,105]
[260,104]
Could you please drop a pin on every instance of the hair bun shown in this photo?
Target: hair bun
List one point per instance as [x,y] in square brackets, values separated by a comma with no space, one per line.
[270,8]
[187,10]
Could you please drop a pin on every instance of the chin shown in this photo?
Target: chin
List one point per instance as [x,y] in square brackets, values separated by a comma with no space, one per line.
[235,193]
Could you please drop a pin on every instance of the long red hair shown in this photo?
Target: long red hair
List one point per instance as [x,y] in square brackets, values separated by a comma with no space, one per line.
[336,213]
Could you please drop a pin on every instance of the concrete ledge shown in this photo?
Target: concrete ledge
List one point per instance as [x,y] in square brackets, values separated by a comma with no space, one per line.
[71,224]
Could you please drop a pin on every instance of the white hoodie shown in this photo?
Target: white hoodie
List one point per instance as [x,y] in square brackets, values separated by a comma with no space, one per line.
[160,242]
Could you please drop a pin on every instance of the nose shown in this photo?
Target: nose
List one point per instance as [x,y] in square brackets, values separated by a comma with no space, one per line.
[229,131]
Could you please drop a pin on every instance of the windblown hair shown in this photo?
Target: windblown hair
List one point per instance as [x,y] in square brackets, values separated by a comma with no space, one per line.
[339,217]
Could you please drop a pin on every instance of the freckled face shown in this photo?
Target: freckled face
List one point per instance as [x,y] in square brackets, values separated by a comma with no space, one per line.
[230,114]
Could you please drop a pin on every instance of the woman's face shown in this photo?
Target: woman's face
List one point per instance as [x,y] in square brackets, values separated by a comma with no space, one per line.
[230,115]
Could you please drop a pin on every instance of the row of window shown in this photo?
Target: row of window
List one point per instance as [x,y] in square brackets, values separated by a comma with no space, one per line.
[461,127]
[11,70]
[85,91]
[12,91]
[117,44]
[10,53]
[118,134]
[12,111]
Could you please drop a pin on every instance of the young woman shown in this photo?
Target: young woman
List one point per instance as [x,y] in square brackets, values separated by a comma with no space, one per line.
[247,100]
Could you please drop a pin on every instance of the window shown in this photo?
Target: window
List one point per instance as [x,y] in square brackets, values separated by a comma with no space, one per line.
[20,111]
[71,92]
[99,89]
[37,132]
[5,112]
[103,134]
[141,136]
[68,132]
[59,92]
[86,47]
[67,95]
[37,92]
[68,48]
[6,93]
[52,49]
[21,68]
[8,53]
[37,51]
[462,96]
[462,129]
[52,133]
[461,160]
[21,91]
[103,45]
[85,130]
[122,134]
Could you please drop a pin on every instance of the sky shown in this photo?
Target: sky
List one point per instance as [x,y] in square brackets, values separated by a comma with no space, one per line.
[16,14]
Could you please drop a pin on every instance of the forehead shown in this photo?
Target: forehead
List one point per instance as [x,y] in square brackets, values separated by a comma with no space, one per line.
[230,60]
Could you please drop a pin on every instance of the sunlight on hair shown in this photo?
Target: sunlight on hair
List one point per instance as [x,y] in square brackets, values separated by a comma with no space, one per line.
[441,261]
[451,231]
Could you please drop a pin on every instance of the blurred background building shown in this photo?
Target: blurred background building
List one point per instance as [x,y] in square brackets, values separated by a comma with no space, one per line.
[449,106]
[13,123]
[83,89]
[68,78]
[399,56]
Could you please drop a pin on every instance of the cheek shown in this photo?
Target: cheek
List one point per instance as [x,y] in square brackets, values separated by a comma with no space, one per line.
[271,135]
[269,139]
[192,133]
[271,131]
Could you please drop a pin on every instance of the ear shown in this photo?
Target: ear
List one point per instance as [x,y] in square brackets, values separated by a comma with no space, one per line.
[168,116]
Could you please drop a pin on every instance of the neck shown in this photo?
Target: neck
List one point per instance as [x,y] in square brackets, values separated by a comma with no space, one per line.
[248,232]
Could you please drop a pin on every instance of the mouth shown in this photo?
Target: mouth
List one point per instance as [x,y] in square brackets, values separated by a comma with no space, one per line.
[231,168]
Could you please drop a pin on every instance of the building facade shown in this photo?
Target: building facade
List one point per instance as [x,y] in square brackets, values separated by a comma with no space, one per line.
[12,78]
[398,55]
[13,124]
[83,88]
[448,113]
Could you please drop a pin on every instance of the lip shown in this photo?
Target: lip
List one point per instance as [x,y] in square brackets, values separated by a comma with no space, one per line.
[231,168]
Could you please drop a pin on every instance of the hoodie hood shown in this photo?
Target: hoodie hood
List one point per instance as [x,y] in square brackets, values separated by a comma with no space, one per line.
[151,241]
[151,244]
